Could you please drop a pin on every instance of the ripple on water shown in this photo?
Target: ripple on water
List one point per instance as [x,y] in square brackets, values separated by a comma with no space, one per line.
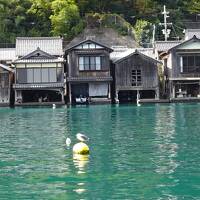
[147,152]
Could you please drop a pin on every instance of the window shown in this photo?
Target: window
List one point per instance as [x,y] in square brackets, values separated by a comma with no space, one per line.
[136,77]
[37,75]
[29,75]
[81,63]
[89,46]
[190,64]
[40,75]
[52,75]
[90,63]
[21,76]
[45,75]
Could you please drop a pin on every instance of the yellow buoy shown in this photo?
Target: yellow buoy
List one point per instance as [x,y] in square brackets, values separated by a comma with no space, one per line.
[81,148]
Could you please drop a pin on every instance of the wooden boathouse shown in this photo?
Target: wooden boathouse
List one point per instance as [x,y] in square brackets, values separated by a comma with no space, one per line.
[88,72]
[135,75]
[39,69]
[184,67]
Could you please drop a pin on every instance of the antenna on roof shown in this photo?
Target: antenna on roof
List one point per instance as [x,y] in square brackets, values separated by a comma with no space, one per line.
[165,31]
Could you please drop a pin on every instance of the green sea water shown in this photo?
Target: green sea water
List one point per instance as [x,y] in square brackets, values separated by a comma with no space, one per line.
[147,152]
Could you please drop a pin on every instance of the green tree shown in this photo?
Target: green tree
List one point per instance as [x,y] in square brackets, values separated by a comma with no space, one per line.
[65,18]
[40,12]
[14,19]
[143,31]
[194,6]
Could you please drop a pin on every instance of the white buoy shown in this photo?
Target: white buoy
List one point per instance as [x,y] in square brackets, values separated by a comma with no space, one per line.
[81,148]
[54,106]
[68,141]
[81,137]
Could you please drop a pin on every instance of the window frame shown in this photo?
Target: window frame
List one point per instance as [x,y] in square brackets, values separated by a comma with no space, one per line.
[186,67]
[95,63]
[137,75]
[58,72]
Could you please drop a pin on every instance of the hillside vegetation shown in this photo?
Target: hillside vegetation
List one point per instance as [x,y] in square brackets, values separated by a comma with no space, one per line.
[69,17]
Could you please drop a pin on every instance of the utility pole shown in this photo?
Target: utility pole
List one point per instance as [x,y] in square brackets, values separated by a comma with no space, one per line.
[165,31]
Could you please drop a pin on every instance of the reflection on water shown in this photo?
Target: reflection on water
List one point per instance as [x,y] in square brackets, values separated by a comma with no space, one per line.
[146,152]
[166,153]
[81,162]
[167,149]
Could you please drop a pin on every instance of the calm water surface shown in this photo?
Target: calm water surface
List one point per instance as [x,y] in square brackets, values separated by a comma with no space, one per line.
[147,152]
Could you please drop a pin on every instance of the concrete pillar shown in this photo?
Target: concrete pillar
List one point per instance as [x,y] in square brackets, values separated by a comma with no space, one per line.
[109,90]
[138,97]
[62,93]
[173,89]
[157,93]
[18,96]
[116,97]
[70,94]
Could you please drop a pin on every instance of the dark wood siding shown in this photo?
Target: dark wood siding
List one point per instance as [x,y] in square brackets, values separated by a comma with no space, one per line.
[149,73]
[74,65]
[176,68]
[4,86]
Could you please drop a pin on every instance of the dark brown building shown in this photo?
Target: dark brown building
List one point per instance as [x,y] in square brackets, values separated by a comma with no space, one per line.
[88,72]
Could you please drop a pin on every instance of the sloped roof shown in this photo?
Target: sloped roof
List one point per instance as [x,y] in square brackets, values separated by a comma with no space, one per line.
[118,56]
[6,68]
[189,33]
[166,45]
[7,54]
[193,39]
[51,45]
[39,56]
[86,41]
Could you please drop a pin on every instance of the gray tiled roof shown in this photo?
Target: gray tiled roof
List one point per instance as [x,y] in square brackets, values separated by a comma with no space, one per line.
[7,54]
[6,68]
[189,33]
[166,45]
[51,45]
[120,53]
